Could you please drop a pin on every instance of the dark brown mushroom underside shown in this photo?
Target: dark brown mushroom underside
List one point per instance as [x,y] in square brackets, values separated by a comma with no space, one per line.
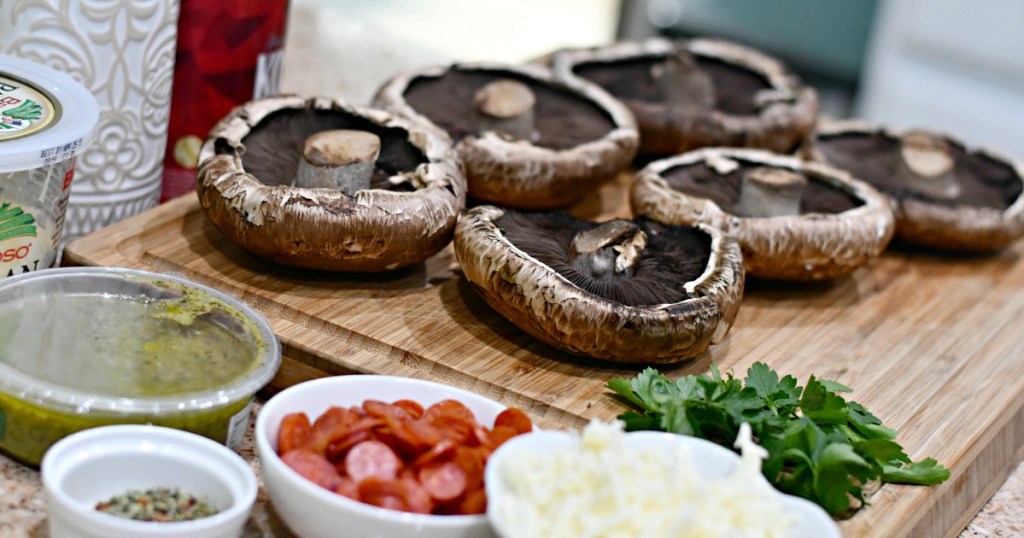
[631,79]
[984,182]
[701,181]
[673,256]
[274,147]
[562,119]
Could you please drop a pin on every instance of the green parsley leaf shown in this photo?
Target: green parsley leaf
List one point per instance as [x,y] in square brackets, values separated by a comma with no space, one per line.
[820,447]
[623,388]
[822,405]
[834,386]
[763,379]
[882,450]
[923,473]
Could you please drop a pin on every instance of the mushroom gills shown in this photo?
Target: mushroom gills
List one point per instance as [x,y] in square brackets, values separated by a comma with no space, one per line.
[338,159]
[610,249]
[634,263]
[770,192]
[683,82]
[925,165]
[505,107]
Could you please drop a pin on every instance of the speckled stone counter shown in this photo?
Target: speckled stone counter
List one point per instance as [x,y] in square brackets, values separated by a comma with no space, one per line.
[23,505]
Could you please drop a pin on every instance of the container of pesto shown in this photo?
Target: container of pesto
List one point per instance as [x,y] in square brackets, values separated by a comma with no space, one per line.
[86,347]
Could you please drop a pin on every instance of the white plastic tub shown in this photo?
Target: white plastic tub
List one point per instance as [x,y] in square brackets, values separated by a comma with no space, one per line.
[46,120]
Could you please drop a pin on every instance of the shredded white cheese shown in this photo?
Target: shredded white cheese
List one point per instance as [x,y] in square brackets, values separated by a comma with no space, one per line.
[602,488]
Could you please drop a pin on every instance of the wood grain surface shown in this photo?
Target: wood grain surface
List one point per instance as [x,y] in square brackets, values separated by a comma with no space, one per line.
[932,344]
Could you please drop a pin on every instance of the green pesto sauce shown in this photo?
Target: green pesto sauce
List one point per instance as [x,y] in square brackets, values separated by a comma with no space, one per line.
[120,346]
[29,430]
[127,347]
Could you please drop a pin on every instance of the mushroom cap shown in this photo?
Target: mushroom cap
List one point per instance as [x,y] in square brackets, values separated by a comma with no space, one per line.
[930,223]
[810,246]
[377,229]
[520,173]
[548,306]
[783,114]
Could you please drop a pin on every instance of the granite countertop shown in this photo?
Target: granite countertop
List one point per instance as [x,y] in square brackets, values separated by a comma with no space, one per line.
[23,507]
[22,504]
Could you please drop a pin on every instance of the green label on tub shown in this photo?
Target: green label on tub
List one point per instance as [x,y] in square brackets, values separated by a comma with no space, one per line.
[15,222]
[2,424]
[24,109]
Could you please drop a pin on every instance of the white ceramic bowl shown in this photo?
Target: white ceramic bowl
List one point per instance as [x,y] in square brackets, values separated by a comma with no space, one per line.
[314,512]
[97,464]
[712,461]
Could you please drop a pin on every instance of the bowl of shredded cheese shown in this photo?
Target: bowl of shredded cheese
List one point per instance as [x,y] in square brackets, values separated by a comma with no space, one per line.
[605,483]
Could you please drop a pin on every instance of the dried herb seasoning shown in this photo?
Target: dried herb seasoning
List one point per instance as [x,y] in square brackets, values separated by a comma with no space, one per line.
[159,504]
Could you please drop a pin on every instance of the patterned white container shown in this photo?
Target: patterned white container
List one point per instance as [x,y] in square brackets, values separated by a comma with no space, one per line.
[122,51]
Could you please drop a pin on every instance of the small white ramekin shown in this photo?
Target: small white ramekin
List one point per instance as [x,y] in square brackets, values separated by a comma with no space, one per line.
[96,464]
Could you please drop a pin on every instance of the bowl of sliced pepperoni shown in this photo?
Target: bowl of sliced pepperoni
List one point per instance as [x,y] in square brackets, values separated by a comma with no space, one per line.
[381,456]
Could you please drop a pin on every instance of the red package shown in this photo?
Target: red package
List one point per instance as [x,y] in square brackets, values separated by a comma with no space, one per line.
[229,52]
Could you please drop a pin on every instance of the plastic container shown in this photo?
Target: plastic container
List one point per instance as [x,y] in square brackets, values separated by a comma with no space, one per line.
[87,347]
[93,466]
[46,120]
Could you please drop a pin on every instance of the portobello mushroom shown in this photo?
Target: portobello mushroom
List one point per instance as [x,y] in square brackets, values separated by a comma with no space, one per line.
[321,184]
[944,195]
[626,291]
[699,92]
[794,220]
[527,140]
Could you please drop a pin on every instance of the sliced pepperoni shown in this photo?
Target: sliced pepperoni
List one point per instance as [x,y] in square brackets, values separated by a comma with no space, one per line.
[399,455]
[444,481]
[337,450]
[366,423]
[472,462]
[500,434]
[427,433]
[453,408]
[453,427]
[294,433]
[416,496]
[372,458]
[474,503]
[414,409]
[514,418]
[480,436]
[347,488]
[334,423]
[380,409]
[385,434]
[386,493]
[437,452]
[313,467]
[412,440]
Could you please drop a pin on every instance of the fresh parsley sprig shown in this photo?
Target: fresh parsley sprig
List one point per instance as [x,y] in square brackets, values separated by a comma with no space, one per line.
[820,447]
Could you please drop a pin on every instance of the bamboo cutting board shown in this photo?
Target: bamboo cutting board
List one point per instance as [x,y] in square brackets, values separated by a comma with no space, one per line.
[933,345]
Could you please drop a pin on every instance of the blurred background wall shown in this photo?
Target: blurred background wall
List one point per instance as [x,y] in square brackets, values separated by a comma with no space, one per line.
[952,65]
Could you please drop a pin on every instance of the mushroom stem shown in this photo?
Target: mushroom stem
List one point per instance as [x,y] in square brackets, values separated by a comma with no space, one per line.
[338,159]
[683,81]
[770,192]
[926,166]
[506,107]
[611,248]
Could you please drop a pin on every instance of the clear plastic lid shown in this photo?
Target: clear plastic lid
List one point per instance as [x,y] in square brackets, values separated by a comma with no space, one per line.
[45,116]
[122,341]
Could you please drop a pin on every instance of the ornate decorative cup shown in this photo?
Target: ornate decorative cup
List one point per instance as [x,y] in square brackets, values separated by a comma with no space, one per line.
[122,51]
